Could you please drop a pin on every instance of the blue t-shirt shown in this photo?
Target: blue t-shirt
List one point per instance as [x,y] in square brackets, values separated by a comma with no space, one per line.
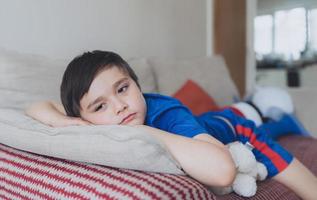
[169,114]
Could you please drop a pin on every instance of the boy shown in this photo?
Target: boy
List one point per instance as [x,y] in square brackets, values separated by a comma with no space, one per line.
[100,88]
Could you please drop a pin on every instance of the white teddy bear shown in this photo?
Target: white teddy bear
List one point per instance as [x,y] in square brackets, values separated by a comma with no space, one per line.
[249,170]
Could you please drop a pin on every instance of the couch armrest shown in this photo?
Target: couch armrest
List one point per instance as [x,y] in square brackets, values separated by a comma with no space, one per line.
[304,99]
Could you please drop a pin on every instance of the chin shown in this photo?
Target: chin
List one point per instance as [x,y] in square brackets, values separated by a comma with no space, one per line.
[135,122]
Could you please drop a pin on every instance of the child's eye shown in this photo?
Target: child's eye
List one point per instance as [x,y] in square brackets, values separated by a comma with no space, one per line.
[101,106]
[123,89]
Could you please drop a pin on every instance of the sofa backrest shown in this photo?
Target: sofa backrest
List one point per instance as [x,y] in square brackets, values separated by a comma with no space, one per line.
[25,78]
[145,74]
[210,73]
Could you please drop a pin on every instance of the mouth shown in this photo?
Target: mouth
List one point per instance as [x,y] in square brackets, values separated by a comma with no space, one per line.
[128,118]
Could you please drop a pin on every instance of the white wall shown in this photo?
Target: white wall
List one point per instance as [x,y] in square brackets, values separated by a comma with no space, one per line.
[133,28]
[250,53]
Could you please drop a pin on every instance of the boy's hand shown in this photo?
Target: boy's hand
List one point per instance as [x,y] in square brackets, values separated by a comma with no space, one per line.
[68,121]
[53,114]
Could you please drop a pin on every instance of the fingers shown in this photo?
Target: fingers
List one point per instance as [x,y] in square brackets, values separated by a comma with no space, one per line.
[69,121]
[79,121]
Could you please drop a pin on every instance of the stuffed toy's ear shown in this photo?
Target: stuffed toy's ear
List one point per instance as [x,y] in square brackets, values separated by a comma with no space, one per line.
[262,171]
[259,172]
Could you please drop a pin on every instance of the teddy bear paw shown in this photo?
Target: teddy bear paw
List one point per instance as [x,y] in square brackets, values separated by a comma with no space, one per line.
[244,185]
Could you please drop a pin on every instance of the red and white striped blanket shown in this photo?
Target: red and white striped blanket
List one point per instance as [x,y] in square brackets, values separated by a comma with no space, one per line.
[25,175]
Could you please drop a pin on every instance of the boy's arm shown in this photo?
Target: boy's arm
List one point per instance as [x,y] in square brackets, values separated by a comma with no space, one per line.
[209,163]
[299,179]
[52,114]
[296,176]
[208,138]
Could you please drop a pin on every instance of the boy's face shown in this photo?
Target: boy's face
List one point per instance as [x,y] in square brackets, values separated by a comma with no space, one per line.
[112,99]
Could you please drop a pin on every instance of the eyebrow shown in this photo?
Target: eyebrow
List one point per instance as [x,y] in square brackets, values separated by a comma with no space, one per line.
[116,84]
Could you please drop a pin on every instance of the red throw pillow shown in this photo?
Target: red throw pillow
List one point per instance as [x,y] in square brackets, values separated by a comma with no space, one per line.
[195,98]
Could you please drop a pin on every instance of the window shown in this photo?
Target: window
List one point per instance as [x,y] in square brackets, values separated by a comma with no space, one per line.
[285,34]
[289,25]
[312,26]
[263,31]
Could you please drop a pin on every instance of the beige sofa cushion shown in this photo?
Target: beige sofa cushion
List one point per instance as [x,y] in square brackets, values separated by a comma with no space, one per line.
[145,74]
[25,78]
[111,145]
[209,72]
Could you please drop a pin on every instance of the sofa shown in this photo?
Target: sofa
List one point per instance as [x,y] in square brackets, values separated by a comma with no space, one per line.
[35,165]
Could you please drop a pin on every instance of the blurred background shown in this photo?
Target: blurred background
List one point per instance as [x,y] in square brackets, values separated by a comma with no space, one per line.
[285,33]
[264,42]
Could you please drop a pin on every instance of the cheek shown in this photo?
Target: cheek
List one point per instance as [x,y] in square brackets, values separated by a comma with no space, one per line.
[137,96]
[140,103]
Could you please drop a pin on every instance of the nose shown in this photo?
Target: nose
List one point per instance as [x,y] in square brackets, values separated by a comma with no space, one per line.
[119,105]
